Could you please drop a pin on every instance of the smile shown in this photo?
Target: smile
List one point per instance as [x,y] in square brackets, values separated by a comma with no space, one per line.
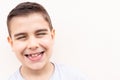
[35,56]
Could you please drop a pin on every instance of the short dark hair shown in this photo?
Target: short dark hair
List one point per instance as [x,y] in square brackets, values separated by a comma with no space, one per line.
[26,8]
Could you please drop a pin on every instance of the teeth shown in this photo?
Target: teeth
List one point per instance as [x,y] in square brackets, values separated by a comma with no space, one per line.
[34,55]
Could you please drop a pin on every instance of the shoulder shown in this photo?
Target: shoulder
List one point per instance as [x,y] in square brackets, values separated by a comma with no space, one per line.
[69,72]
[16,76]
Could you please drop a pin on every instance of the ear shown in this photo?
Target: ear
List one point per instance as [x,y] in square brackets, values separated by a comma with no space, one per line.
[9,40]
[53,33]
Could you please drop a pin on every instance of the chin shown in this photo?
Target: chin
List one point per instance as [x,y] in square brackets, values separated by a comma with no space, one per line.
[37,66]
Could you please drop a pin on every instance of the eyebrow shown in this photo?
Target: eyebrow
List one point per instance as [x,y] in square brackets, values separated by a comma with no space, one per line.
[41,30]
[19,34]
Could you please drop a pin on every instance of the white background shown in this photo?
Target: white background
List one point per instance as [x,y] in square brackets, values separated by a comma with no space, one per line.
[87,36]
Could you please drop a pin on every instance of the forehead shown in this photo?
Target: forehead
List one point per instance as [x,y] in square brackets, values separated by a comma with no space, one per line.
[30,21]
[27,18]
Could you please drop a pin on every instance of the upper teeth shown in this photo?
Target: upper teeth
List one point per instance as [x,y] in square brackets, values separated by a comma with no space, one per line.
[35,54]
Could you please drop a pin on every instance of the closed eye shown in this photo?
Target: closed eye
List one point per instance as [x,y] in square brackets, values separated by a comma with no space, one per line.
[41,33]
[22,37]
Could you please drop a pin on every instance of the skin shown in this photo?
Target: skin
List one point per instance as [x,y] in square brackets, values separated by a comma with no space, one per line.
[31,35]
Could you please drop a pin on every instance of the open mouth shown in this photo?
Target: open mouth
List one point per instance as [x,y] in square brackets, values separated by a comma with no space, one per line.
[35,56]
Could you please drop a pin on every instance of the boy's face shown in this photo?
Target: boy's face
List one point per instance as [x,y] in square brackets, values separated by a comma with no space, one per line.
[31,40]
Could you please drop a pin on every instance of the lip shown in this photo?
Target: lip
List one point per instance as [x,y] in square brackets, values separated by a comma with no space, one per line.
[34,53]
[36,56]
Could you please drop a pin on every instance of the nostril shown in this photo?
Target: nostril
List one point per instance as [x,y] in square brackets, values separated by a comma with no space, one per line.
[33,46]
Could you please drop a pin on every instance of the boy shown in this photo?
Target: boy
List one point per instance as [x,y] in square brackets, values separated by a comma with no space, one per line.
[31,37]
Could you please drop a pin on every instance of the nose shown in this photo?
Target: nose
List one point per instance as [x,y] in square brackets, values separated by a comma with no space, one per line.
[33,43]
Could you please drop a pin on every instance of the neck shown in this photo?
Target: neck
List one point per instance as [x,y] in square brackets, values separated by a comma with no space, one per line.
[41,74]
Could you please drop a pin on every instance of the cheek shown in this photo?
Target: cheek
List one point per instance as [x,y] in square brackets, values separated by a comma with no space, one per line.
[18,47]
[48,43]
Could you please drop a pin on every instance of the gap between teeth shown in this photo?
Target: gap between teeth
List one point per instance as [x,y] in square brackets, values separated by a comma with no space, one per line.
[34,55]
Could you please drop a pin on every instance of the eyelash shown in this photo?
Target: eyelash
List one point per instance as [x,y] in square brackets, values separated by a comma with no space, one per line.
[41,33]
[22,37]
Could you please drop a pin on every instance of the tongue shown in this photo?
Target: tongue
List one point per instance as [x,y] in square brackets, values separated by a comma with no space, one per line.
[35,57]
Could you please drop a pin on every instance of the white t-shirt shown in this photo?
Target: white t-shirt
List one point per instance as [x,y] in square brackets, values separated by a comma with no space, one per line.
[61,72]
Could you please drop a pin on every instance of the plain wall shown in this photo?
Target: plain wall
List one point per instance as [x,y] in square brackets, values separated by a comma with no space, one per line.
[87,36]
